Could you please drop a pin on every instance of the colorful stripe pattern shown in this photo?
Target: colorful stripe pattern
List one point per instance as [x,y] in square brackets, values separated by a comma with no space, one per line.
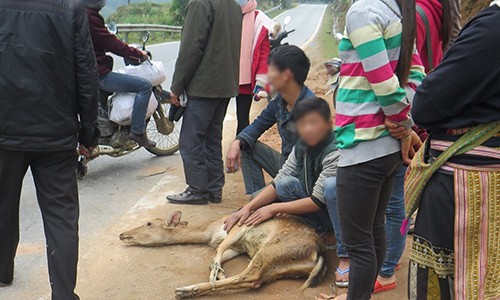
[369,89]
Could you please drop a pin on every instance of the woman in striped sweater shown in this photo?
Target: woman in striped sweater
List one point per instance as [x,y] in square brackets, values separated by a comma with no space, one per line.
[380,73]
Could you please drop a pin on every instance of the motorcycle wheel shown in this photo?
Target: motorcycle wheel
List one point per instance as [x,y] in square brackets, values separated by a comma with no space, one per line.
[165,144]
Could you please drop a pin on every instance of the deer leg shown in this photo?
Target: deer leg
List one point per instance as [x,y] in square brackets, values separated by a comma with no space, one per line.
[224,253]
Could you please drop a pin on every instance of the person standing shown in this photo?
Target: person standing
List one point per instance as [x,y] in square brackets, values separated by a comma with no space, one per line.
[455,244]
[207,71]
[48,105]
[380,64]
[255,48]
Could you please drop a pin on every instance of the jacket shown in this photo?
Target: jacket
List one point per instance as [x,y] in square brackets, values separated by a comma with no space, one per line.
[209,54]
[260,55]
[275,113]
[434,12]
[104,42]
[312,166]
[48,76]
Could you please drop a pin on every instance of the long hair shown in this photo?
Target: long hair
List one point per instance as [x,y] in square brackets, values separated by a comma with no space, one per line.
[408,13]
[447,23]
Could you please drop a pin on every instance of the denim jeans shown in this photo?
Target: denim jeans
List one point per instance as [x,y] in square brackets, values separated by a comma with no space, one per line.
[290,189]
[122,83]
[330,188]
[254,160]
[394,217]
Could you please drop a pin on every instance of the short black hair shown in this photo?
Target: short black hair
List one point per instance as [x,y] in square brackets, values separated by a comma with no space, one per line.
[310,105]
[292,58]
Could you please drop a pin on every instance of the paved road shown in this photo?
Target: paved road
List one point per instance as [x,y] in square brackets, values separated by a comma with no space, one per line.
[113,186]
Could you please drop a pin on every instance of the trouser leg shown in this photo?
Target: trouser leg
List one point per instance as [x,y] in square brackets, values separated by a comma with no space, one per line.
[213,148]
[363,191]
[253,161]
[243,105]
[57,192]
[13,167]
[330,190]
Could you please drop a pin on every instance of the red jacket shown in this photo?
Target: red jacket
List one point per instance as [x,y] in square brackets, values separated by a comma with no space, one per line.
[259,59]
[434,13]
[104,42]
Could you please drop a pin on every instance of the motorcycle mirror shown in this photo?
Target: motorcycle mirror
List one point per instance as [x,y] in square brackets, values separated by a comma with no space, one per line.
[145,38]
[339,35]
[287,20]
[113,28]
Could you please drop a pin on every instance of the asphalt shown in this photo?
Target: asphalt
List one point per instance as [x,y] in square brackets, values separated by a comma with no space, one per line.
[114,186]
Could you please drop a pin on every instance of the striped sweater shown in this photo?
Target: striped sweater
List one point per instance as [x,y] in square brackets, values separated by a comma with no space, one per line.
[369,88]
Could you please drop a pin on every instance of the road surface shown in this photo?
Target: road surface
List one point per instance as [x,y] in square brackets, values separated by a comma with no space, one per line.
[114,185]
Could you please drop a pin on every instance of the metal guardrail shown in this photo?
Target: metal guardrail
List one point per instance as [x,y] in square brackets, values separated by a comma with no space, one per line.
[128,28]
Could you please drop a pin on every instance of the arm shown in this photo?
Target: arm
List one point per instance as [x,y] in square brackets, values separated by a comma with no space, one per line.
[330,164]
[195,33]
[85,79]
[262,68]
[263,122]
[366,35]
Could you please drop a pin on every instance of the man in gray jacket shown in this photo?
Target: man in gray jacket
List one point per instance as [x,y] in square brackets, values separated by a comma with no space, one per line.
[207,70]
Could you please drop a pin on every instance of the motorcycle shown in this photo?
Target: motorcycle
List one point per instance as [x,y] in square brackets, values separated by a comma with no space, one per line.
[333,67]
[282,34]
[114,140]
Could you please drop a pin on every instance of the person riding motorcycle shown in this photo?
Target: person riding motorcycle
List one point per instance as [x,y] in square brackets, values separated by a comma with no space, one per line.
[113,82]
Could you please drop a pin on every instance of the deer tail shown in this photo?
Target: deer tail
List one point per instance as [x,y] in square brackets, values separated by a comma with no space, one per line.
[317,272]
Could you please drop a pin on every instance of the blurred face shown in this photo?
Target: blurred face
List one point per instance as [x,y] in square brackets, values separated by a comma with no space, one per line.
[313,128]
[278,79]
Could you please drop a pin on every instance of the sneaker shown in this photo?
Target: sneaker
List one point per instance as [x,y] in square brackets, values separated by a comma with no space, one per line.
[142,140]
[215,198]
[3,284]
[188,197]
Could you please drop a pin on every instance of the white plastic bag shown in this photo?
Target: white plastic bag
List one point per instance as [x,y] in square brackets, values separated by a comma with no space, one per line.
[123,104]
[149,70]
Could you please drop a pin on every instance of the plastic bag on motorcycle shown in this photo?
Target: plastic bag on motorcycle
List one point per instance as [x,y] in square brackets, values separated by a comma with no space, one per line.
[149,70]
[122,106]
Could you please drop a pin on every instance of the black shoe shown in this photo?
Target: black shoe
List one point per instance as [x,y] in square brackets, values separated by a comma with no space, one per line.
[3,284]
[142,140]
[188,197]
[215,198]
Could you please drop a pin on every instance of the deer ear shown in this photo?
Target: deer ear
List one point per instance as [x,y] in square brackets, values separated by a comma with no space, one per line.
[174,219]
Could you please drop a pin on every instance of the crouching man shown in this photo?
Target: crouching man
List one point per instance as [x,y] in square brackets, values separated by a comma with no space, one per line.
[306,184]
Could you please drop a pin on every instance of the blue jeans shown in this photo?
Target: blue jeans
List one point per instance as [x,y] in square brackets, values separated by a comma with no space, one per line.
[122,83]
[290,189]
[394,216]
[330,188]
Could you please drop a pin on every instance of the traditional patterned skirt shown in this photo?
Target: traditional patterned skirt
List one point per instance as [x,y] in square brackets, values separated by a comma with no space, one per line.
[456,249]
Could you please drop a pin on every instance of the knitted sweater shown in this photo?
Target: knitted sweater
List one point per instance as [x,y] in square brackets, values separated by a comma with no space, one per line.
[369,88]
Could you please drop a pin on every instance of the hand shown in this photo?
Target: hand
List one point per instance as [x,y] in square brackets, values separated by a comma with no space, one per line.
[84,151]
[397,131]
[145,54]
[260,215]
[259,91]
[175,99]
[233,157]
[409,146]
[238,217]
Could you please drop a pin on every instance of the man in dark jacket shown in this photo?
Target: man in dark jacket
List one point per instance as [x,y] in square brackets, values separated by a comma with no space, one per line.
[207,70]
[48,104]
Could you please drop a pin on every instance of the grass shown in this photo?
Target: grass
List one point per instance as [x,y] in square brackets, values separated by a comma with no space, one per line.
[328,45]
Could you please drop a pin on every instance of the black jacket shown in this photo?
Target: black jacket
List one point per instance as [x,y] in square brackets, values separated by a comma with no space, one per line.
[209,56]
[48,76]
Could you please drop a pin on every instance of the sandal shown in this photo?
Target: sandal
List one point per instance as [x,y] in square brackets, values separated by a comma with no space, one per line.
[383,288]
[342,284]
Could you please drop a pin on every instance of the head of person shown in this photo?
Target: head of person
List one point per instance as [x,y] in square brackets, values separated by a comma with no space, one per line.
[313,118]
[288,65]
[95,4]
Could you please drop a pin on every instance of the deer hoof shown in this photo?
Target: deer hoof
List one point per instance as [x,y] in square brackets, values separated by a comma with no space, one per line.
[186,292]
[216,272]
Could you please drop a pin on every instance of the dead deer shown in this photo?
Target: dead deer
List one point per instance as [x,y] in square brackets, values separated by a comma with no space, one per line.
[283,247]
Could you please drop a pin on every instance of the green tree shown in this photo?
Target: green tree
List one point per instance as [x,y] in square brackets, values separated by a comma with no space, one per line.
[178,11]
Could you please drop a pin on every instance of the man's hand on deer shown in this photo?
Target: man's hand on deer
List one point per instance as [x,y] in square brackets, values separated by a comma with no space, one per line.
[260,215]
[237,217]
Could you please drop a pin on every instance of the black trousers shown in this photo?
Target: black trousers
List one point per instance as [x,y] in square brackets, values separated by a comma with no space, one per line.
[201,144]
[57,193]
[363,192]
[243,106]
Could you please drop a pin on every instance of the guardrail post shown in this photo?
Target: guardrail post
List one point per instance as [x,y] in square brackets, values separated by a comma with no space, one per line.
[125,37]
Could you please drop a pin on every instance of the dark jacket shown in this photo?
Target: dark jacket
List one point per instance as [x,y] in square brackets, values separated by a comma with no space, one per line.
[275,113]
[312,166]
[48,76]
[209,55]
[104,42]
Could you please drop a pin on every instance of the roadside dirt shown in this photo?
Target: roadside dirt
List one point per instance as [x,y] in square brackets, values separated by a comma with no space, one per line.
[111,270]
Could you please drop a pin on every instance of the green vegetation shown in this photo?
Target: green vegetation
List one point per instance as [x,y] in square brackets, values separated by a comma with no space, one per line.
[333,22]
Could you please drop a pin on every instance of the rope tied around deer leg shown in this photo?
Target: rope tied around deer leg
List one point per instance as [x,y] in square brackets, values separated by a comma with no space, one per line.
[216,268]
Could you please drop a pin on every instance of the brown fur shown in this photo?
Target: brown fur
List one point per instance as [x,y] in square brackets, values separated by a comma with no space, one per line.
[282,247]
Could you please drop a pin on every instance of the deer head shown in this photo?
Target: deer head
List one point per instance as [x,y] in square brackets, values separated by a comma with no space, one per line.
[156,232]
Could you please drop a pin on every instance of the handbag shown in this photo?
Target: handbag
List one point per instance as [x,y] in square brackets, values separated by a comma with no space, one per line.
[421,170]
